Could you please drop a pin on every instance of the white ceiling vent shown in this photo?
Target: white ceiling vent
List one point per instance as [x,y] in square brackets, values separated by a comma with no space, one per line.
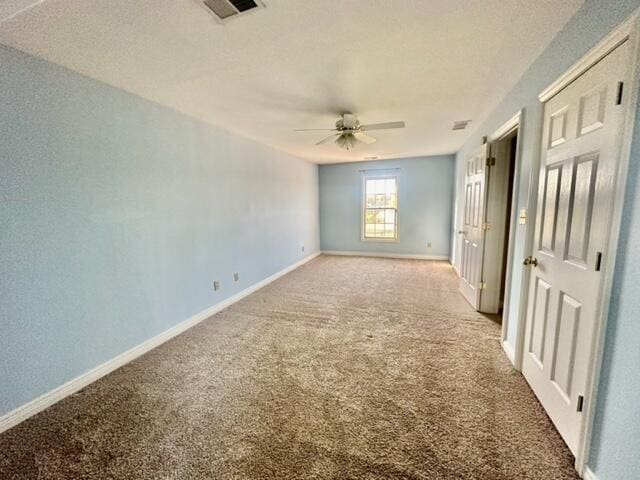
[461,124]
[225,10]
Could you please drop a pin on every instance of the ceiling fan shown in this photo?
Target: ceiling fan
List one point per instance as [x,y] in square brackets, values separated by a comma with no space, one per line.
[350,132]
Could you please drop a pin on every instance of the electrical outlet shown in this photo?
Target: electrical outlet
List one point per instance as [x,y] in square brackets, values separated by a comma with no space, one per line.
[236,277]
[216,285]
[428,244]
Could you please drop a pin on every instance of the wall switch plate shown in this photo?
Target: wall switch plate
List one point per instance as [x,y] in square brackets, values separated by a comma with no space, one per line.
[216,285]
[236,277]
[303,248]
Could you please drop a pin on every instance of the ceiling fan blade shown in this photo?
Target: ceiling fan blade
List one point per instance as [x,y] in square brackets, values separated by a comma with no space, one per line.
[316,130]
[382,126]
[364,138]
[325,140]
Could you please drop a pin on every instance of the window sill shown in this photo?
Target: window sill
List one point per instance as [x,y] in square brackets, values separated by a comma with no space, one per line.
[380,240]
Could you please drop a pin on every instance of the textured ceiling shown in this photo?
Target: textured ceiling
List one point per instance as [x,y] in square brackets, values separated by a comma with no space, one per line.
[300,64]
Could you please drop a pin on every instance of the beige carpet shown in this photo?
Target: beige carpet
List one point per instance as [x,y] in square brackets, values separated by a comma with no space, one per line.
[347,368]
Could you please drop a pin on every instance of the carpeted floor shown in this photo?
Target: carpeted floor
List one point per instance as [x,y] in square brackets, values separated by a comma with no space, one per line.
[347,368]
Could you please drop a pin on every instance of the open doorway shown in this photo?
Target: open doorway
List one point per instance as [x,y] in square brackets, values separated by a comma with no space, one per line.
[499,219]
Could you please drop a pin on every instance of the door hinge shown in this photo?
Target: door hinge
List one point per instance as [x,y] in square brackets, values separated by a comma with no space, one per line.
[580,403]
[486,226]
[619,95]
[598,261]
[482,286]
[491,161]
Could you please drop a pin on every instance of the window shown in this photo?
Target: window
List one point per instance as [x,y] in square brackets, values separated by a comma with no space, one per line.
[380,209]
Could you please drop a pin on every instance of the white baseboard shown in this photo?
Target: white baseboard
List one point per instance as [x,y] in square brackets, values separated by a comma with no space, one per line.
[386,255]
[27,410]
[509,351]
[588,474]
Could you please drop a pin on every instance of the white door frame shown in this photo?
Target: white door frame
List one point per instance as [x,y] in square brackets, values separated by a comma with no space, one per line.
[627,31]
[508,127]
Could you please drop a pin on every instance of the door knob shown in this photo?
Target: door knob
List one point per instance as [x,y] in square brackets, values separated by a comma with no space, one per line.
[530,261]
[462,232]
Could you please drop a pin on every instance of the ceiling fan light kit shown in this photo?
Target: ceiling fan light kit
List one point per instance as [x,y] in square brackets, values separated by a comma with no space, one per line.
[346,141]
[350,132]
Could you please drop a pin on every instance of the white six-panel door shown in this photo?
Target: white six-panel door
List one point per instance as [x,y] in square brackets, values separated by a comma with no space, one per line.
[579,156]
[472,233]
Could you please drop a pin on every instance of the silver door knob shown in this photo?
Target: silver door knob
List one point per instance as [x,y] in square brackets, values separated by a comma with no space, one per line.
[462,232]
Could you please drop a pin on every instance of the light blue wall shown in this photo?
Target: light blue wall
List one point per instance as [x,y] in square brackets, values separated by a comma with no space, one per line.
[616,444]
[117,214]
[425,197]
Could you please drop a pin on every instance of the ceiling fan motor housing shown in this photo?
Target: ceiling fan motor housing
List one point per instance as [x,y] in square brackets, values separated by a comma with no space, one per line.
[348,122]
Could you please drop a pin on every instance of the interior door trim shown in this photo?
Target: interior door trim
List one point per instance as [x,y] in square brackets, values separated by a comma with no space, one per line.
[505,129]
[618,36]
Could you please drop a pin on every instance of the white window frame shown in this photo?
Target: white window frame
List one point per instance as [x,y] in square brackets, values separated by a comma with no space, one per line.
[363,209]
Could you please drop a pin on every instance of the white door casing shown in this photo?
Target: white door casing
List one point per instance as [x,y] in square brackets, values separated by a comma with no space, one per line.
[580,151]
[471,232]
[496,218]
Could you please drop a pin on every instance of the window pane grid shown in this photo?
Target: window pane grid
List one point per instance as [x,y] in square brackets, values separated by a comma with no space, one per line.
[381,209]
